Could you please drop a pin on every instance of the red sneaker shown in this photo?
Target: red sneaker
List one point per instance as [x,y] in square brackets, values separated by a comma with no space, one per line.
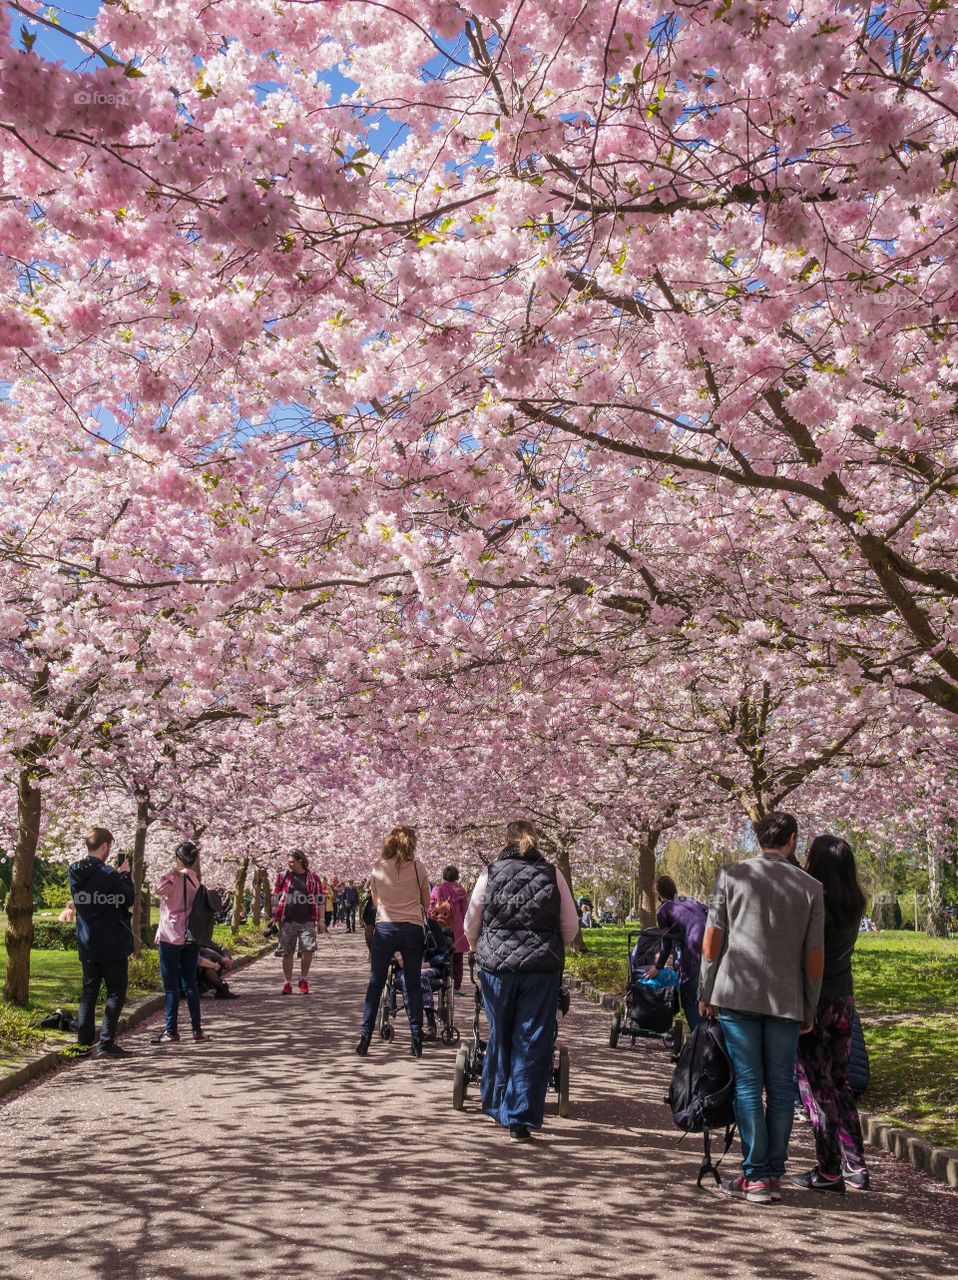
[287,989]
[304,986]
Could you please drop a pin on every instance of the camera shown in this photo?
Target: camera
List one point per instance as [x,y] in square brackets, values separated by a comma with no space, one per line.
[271,930]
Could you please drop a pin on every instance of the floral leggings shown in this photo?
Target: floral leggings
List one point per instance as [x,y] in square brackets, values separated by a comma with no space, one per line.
[822,1070]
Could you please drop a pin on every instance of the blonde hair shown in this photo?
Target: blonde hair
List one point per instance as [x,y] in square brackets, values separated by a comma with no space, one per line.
[522,834]
[400,844]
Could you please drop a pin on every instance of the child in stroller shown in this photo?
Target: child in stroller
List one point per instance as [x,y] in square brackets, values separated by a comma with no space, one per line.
[437,973]
[651,1002]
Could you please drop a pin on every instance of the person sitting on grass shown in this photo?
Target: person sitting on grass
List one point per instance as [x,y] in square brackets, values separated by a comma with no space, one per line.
[213,965]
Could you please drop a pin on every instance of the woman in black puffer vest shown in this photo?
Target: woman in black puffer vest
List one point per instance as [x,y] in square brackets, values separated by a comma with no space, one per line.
[520,917]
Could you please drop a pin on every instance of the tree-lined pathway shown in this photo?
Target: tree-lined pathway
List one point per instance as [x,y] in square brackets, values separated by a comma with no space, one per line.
[273,1151]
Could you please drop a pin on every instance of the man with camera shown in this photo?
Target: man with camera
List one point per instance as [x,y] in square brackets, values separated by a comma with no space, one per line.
[103,897]
[298,903]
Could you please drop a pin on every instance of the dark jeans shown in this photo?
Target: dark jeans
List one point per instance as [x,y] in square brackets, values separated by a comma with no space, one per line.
[457,965]
[521,1012]
[178,964]
[112,973]
[689,998]
[407,939]
[349,915]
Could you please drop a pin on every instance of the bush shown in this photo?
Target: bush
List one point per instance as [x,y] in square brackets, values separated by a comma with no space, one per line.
[145,971]
[886,911]
[56,896]
[51,935]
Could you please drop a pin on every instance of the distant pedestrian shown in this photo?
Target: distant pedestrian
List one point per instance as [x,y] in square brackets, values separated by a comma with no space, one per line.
[761,972]
[520,916]
[823,1052]
[684,920]
[451,891]
[178,949]
[350,905]
[399,889]
[298,898]
[102,898]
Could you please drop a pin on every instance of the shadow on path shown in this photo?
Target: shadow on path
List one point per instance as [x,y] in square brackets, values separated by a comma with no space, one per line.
[273,1151]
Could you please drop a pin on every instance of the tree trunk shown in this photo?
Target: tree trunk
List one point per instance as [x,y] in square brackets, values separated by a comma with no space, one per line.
[239,893]
[564,864]
[19,936]
[647,846]
[936,921]
[258,879]
[139,868]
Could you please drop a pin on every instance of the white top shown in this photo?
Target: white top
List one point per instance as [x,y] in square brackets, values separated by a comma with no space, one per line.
[397,889]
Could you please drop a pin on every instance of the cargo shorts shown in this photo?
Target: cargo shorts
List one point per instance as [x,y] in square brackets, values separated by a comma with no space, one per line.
[293,931]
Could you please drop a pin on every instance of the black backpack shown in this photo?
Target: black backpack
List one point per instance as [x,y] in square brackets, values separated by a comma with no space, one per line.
[207,905]
[858,1068]
[702,1091]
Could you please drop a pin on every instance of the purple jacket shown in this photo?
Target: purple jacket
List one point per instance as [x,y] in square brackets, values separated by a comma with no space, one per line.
[685,919]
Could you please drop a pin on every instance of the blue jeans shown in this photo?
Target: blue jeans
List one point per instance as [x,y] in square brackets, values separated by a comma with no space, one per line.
[521,1010]
[762,1049]
[407,939]
[179,963]
[689,997]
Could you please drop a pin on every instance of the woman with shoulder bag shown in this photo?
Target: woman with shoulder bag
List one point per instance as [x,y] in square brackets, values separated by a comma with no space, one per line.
[178,950]
[399,888]
[520,917]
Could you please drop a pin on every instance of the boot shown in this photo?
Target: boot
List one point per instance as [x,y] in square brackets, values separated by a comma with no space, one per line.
[415,1045]
[363,1047]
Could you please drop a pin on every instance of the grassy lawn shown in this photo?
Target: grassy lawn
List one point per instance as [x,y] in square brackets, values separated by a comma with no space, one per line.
[906,987]
[55,983]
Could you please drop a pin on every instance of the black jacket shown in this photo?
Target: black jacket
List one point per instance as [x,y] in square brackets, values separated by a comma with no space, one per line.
[521,916]
[103,898]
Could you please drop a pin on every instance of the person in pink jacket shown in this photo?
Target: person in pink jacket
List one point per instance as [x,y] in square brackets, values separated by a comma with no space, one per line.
[450,890]
[178,952]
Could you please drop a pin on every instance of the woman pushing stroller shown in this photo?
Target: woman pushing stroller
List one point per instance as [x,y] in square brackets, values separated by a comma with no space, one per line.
[520,917]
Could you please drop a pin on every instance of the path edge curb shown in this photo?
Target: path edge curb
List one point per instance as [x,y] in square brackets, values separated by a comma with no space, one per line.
[49,1062]
[940,1163]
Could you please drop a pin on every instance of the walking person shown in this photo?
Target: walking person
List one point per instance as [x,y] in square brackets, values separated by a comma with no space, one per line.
[298,898]
[762,963]
[684,919]
[178,949]
[399,890]
[823,1052]
[350,905]
[449,890]
[102,898]
[519,919]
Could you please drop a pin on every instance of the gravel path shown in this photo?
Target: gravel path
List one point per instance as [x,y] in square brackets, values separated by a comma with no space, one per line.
[272,1151]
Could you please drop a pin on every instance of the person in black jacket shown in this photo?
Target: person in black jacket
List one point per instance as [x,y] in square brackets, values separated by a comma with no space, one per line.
[520,916]
[102,897]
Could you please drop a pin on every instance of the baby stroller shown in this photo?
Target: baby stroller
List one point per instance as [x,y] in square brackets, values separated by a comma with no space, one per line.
[441,985]
[650,1003]
[470,1057]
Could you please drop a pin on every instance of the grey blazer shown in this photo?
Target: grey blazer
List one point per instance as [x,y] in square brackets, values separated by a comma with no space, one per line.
[771,915]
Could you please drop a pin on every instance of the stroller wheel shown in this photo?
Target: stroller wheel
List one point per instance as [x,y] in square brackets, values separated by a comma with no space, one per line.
[678,1035]
[454,1036]
[563,1082]
[616,1030]
[445,1035]
[461,1079]
[388,1031]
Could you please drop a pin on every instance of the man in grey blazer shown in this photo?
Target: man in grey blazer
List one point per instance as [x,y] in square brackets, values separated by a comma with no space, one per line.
[762,962]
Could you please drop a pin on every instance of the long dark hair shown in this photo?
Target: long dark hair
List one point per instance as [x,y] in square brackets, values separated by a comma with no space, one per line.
[831,861]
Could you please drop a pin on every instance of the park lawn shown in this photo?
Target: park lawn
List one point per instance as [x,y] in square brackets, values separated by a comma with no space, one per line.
[906,988]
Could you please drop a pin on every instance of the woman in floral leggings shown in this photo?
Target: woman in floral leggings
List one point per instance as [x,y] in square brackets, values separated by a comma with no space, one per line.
[823,1054]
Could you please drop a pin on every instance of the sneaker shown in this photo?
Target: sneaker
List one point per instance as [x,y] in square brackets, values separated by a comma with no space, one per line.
[304,986]
[112,1051]
[287,988]
[754,1190]
[775,1190]
[76,1050]
[520,1133]
[856,1179]
[166,1037]
[199,1037]
[816,1181]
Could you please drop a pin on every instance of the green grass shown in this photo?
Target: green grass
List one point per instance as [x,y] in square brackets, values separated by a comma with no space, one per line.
[55,981]
[906,988]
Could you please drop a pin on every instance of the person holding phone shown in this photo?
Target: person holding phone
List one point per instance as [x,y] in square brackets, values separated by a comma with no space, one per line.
[102,901]
[177,947]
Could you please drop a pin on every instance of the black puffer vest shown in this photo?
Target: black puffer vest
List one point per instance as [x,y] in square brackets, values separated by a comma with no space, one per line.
[520,916]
